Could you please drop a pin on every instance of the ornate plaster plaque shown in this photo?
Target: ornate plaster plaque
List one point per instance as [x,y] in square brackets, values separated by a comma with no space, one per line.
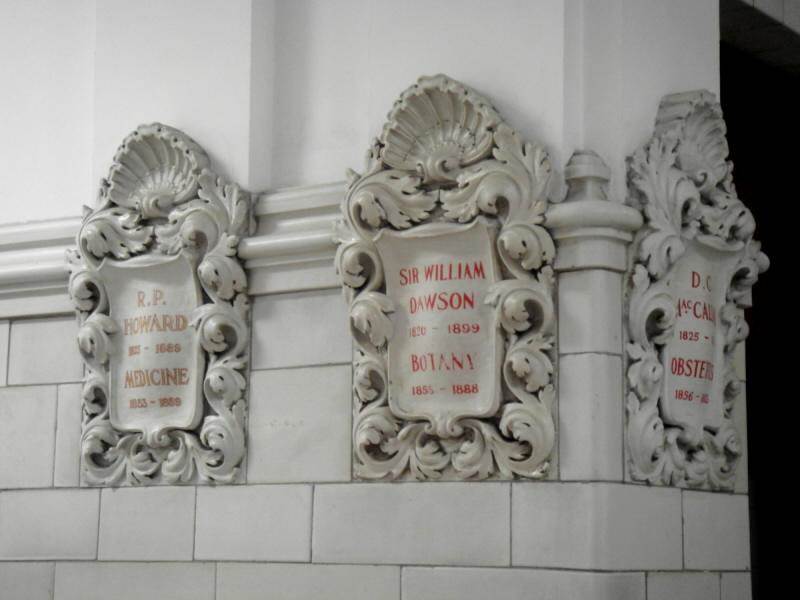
[446,264]
[694,264]
[163,312]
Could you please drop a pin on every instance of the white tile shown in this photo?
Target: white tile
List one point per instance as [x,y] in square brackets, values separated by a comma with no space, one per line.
[241,581]
[48,524]
[27,436]
[596,526]
[44,351]
[447,583]
[590,417]
[299,425]
[686,586]
[4,328]
[590,312]
[265,522]
[716,531]
[295,330]
[736,586]
[26,581]
[134,581]
[68,436]
[412,523]
[147,523]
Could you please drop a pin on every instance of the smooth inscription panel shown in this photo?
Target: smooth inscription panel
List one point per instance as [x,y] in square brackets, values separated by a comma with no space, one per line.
[443,356]
[694,361]
[156,369]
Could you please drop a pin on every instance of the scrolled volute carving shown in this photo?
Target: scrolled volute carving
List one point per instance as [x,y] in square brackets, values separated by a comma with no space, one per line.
[446,156]
[681,181]
[161,198]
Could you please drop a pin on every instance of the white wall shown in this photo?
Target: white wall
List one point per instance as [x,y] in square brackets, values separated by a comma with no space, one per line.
[47,56]
[324,74]
[185,63]
[290,93]
[359,55]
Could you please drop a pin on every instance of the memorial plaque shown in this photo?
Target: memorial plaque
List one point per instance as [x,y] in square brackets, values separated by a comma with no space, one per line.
[161,300]
[447,266]
[695,261]
[444,359]
[157,365]
[694,358]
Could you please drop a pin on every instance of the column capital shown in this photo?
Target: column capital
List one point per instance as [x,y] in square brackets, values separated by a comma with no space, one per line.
[590,231]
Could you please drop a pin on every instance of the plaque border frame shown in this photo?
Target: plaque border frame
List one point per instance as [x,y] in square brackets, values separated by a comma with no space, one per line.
[445,154]
[682,183]
[160,196]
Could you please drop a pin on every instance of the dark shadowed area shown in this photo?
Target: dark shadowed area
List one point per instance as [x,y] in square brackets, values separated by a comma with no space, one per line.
[760,97]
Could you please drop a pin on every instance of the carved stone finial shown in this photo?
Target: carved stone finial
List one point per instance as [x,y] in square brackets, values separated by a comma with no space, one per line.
[587,177]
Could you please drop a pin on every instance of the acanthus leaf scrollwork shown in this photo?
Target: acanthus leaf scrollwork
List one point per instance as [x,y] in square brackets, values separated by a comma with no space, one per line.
[161,198]
[445,155]
[682,182]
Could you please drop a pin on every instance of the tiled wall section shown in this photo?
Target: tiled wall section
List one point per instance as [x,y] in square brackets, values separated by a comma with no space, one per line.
[301,529]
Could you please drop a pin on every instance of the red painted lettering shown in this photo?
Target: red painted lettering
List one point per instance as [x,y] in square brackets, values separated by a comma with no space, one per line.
[692,367]
[441,301]
[409,276]
[430,361]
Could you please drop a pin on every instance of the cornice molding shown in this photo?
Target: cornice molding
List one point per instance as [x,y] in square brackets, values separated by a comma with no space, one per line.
[590,231]
[293,247]
[33,267]
[292,250]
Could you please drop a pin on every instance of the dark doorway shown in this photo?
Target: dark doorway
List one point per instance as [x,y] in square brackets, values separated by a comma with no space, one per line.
[761,100]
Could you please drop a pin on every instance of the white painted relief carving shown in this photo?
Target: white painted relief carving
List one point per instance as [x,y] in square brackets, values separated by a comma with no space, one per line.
[446,264]
[161,300]
[694,263]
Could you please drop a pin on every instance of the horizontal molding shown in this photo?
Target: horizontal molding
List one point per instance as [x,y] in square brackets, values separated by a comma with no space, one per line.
[33,267]
[291,250]
[293,247]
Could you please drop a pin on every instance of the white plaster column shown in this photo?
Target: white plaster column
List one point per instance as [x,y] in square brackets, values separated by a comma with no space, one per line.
[592,236]
[621,58]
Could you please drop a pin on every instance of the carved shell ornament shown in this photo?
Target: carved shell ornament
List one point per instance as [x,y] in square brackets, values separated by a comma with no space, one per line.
[159,202]
[436,130]
[445,156]
[681,181]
